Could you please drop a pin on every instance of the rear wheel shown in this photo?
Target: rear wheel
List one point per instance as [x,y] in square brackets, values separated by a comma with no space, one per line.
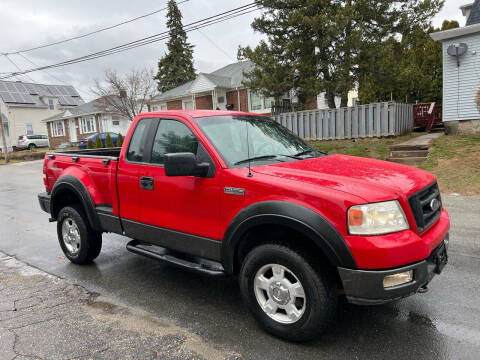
[32,147]
[79,242]
[290,296]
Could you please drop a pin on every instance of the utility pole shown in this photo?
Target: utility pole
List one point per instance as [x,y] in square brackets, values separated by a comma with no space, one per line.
[4,141]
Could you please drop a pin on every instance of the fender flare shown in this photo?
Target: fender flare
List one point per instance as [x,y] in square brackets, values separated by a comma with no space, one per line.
[71,183]
[302,219]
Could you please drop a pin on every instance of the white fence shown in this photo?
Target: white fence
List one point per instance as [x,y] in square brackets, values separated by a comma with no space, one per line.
[373,120]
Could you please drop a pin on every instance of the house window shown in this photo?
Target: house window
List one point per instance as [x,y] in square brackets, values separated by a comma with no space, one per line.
[154,108]
[5,127]
[187,105]
[87,125]
[221,99]
[163,107]
[255,101]
[116,122]
[51,105]
[268,102]
[57,128]
[29,129]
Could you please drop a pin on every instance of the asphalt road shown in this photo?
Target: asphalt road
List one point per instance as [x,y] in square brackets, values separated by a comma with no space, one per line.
[441,324]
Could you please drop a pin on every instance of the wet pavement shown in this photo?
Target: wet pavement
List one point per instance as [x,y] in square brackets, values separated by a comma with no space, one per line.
[441,324]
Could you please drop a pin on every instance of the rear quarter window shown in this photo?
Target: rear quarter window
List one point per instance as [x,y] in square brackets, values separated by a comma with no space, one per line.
[137,144]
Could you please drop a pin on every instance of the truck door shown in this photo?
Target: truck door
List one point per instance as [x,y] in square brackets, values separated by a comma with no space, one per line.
[128,173]
[187,204]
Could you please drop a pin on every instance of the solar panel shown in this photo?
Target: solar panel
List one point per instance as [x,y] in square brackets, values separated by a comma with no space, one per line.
[7,97]
[31,89]
[20,88]
[11,87]
[28,99]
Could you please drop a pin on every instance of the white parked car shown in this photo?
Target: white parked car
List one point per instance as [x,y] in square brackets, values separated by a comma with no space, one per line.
[32,141]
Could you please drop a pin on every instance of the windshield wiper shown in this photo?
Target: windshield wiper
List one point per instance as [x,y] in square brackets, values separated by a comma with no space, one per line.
[303,153]
[309,152]
[263,157]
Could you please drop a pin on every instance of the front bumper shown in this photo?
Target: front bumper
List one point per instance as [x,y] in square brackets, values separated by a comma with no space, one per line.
[44,200]
[365,287]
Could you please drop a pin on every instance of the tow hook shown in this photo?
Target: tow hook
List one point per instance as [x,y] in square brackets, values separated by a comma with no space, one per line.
[423,289]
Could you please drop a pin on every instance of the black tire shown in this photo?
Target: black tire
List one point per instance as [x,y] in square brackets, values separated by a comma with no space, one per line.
[90,241]
[32,147]
[318,284]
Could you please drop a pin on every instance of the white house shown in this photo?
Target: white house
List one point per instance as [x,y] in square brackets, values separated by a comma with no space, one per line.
[87,119]
[461,73]
[23,106]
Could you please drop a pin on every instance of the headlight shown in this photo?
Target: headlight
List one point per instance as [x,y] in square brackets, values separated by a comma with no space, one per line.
[378,218]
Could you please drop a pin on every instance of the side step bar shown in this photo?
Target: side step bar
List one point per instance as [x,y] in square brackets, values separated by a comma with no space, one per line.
[155,252]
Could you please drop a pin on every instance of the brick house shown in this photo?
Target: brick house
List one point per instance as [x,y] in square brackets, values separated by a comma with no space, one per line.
[215,90]
[87,119]
[225,87]
[23,106]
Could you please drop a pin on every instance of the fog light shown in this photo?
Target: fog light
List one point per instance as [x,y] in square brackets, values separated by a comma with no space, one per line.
[398,279]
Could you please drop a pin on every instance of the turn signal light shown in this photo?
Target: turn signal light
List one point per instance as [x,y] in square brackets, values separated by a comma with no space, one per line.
[355,217]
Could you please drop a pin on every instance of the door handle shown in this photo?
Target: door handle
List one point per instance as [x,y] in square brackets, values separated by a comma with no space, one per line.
[146,183]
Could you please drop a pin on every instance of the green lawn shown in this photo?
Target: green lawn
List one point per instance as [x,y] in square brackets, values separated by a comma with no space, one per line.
[454,159]
[371,147]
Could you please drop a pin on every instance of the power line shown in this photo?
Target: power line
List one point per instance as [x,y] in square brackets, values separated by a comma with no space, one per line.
[215,19]
[52,76]
[91,33]
[215,44]
[18,68]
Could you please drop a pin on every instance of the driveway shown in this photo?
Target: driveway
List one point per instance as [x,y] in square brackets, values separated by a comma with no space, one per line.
[441,324]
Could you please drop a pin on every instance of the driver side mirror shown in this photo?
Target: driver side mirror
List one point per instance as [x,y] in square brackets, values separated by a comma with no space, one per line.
[184,164]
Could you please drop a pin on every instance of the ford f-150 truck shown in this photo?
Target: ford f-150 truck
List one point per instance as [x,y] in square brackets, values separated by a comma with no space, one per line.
[231,193]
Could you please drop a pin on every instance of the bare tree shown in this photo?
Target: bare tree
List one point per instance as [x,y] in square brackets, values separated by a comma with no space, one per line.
[125,95]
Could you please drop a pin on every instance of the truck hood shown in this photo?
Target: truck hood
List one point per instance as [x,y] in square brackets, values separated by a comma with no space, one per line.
[369,179]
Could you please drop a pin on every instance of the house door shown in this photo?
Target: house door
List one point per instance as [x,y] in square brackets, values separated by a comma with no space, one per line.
[73,131]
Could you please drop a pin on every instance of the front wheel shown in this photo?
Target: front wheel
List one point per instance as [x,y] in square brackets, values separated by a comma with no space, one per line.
[79,242]
[290,296]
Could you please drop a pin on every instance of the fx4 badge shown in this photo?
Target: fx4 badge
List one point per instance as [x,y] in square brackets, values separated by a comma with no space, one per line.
[234,191]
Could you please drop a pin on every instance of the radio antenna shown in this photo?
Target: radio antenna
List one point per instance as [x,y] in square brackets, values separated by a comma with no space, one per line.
[248,151]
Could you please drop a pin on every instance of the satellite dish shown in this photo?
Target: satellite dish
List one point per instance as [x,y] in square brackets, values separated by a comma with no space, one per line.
[457,50]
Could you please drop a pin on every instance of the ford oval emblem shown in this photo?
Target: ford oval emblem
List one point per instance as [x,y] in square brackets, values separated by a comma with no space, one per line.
[435,204]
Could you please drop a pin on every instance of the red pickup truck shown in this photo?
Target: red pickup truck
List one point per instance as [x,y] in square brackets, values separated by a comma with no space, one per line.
[231,193]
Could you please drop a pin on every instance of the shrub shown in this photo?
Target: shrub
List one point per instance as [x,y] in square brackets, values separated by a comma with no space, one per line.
[119,140]
[90,144]
[108,141]
[98,143]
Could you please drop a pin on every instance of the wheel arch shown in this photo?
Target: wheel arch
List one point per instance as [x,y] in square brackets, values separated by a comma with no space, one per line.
[69,190]
[313,227]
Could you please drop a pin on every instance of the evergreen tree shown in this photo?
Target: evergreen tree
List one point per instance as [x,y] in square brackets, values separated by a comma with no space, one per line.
[108,141]
[98,143]
[176,67]
[119,140]
[320,43]
[90,144]
[404,70]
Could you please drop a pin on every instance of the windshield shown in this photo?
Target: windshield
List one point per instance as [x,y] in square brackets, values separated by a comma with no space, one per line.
[269,141]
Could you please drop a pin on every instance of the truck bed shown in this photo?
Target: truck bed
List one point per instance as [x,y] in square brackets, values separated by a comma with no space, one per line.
[103,153]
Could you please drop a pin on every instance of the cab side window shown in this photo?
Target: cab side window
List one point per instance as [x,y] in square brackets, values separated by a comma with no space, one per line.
[137,143]
[172,137]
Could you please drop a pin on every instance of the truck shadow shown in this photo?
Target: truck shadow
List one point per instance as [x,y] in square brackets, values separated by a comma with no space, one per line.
[213,308]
